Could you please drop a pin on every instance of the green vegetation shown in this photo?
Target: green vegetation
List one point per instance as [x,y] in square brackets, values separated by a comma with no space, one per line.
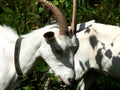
[26,15]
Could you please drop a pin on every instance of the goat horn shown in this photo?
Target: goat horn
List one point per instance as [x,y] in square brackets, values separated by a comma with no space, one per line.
[74,18]
[59,17]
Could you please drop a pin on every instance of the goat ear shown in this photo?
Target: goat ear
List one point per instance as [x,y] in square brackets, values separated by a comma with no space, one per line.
[49,36]
[85,25]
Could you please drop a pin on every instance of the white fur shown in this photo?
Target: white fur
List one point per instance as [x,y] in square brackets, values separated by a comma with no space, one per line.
[35,45]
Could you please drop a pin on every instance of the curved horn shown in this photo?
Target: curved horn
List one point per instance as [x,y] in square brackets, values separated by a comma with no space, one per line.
[74,17]
[59,17]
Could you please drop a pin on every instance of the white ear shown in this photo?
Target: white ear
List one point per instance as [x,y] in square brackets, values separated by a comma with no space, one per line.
[83,26]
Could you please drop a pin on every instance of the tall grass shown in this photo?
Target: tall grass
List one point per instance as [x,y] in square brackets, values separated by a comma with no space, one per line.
[103,11]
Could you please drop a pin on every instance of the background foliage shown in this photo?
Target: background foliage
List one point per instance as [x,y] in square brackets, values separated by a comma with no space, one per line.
[26,15]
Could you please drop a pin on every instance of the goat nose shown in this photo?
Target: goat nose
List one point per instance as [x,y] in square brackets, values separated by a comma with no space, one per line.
[71,80]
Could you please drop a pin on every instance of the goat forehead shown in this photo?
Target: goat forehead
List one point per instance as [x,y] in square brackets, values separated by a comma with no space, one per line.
[65,41]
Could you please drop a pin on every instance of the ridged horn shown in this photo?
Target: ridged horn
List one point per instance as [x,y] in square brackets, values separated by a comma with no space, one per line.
[74,17]
[59,17]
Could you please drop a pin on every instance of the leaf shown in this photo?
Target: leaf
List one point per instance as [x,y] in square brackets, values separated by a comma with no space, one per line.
[53,77]
[62,1]
[42,67]
[41,9]
[36,3]
[28,88]
[55,2]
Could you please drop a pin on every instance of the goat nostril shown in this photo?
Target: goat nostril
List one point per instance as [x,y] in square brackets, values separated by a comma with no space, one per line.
[71,80]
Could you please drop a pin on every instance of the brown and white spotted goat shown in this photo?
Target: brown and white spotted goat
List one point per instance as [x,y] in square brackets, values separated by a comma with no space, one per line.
[99,50]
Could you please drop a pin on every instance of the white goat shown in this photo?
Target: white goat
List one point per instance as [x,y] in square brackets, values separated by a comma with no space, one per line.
[54,45]
[98,52]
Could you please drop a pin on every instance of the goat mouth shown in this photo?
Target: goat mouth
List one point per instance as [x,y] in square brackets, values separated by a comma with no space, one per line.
[62,82]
